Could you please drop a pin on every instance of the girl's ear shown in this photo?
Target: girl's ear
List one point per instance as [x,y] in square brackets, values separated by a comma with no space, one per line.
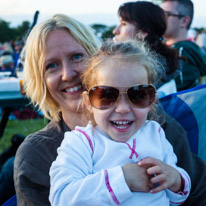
[86,101]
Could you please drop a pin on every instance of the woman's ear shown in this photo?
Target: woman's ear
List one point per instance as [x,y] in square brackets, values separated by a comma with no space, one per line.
[86,101]
[141,35]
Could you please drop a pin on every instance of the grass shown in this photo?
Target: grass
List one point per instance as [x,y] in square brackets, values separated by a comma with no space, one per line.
[23,127]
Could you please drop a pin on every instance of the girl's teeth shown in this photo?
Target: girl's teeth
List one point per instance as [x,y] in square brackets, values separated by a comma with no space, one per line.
[121,127]
[121,124]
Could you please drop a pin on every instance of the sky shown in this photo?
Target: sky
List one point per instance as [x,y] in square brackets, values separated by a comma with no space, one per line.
[86,11]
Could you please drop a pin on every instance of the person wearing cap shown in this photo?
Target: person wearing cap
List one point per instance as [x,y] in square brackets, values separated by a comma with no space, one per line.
[7,64]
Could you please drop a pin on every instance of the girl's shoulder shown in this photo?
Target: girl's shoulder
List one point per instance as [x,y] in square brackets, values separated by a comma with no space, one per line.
[152,129]
[85,131]
[151,124]
[80,135]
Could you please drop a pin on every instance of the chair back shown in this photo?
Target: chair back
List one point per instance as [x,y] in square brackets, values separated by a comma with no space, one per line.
[11,202]
[188,107]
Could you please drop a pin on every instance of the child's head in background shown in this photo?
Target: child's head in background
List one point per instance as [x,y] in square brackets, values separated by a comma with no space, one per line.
[120,92]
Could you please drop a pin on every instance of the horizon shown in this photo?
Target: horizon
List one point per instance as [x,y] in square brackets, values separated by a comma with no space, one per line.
[86,14]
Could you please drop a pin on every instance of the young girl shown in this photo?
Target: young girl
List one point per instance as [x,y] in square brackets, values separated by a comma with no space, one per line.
[120,158]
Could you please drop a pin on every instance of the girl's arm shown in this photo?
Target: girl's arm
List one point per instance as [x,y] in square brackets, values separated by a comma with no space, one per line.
[137,178]
[166,175]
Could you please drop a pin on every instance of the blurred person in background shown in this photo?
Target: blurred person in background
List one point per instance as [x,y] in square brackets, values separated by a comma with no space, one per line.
[8,48]
[136,21]
[7,189]
[179,14]
[201,40]
[17,51]
[7,64]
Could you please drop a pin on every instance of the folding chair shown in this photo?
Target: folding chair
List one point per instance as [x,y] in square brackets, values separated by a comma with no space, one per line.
[188,107]
[11,202]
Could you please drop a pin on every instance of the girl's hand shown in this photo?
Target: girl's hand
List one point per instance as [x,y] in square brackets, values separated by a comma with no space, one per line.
[137,178]
[163,175]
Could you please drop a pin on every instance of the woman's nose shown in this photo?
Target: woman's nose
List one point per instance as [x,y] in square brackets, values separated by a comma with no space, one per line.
[116,30]
[123,105]
[68,72]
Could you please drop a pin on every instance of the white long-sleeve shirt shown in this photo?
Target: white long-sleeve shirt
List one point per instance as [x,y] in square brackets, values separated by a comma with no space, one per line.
[88,169]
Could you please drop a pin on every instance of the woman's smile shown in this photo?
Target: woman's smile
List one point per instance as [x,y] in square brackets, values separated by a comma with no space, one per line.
[73,90]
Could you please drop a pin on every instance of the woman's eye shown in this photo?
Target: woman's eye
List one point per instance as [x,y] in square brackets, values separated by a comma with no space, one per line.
[77,57]
[123,23]
[51,66]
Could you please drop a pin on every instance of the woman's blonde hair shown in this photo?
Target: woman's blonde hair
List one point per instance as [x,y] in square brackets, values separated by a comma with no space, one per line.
[130,51]
[35,48]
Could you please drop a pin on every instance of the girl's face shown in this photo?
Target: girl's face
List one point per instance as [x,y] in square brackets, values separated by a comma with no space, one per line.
[124,31]
[121,120]
[64,61]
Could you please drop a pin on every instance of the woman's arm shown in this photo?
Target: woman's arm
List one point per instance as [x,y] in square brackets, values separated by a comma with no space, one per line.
[31,168]
[190,162]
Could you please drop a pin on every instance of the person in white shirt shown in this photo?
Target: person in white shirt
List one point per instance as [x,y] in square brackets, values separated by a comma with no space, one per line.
[120,157]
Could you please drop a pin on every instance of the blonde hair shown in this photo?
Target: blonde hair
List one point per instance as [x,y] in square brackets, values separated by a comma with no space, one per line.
[35,48]
[128,51]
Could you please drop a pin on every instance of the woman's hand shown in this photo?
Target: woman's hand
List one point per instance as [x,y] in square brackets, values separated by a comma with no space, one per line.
[163,175]
[137,178]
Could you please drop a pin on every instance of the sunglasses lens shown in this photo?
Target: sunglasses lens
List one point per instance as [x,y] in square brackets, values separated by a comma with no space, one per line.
[142,95]
[102,97]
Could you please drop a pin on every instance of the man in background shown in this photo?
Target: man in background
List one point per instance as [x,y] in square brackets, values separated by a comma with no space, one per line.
[179,14]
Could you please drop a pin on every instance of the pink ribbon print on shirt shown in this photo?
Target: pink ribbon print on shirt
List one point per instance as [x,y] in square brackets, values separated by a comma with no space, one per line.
[133,152]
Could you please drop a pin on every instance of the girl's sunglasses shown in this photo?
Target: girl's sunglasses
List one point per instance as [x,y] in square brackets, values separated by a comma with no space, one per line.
[103,97]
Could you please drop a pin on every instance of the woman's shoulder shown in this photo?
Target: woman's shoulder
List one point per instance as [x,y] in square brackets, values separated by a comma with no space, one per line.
[41,145]
[50,134]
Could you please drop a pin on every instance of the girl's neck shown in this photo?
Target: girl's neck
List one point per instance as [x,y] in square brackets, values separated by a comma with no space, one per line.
[73,119]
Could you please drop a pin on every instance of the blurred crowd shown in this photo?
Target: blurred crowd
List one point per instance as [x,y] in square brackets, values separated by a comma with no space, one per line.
[201,40]
[10,57]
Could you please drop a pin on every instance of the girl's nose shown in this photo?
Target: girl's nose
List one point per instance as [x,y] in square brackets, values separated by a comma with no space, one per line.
[68,72]
[123,105]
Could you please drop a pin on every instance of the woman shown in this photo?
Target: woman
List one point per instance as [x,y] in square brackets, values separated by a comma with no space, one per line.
[146,21]
[56,53]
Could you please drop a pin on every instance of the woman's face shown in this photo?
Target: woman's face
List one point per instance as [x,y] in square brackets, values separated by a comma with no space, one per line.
[64,61]
[124,31]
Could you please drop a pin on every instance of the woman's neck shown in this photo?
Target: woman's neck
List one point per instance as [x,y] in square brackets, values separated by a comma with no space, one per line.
[73,119]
